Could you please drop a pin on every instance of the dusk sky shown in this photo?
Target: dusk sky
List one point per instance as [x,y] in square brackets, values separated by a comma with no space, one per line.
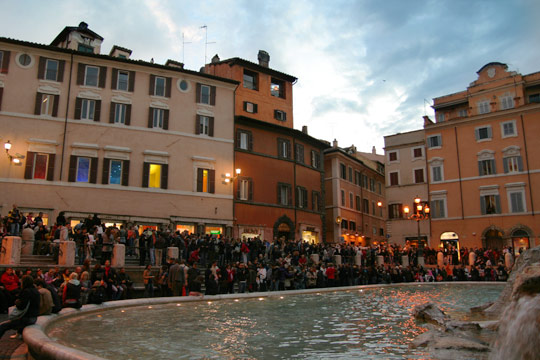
[365,69]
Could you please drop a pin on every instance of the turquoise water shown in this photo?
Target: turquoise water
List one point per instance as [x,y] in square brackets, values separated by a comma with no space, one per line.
[371,323]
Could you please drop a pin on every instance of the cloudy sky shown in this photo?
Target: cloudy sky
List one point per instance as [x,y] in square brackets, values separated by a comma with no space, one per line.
[365,69]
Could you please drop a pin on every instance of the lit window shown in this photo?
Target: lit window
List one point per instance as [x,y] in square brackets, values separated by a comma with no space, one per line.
[83,169]
[154,178]
[115,172]
[40,166]
[277,88]
[490,204]
[91,76]
[205,180]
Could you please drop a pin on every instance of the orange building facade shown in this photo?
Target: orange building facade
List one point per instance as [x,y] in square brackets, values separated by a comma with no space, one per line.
[279,192]
[481,164]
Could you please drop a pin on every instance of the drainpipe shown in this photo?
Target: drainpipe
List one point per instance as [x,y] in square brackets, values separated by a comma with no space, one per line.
[66,118]
[459,174]
[527,162]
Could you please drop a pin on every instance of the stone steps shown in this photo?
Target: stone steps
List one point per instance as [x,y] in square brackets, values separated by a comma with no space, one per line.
[37,260]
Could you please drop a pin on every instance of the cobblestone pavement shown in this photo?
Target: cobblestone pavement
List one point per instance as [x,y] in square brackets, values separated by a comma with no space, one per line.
[11,348]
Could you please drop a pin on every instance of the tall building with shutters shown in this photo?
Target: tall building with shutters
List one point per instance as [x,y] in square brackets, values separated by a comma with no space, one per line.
[481,164]
[279,192]
[134,141]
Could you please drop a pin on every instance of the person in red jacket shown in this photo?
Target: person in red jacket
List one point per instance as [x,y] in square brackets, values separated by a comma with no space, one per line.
[331,275]
[10,281]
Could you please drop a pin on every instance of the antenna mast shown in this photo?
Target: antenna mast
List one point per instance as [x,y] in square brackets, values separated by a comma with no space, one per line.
[183,46]
[206,41]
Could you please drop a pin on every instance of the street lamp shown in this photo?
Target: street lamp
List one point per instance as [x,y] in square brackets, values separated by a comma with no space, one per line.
[15,159]
[229,178]
[421,212]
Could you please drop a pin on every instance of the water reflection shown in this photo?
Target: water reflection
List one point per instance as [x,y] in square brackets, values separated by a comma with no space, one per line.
[374,323]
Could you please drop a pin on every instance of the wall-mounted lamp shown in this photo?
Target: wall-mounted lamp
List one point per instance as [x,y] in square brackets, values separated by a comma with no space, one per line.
[229,179]
[15,159]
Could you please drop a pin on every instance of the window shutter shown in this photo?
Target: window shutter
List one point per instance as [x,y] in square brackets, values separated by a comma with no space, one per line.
[296,196]
[128,114]
[37,108]
[102,76]
[55,105]
[212,181]
[125,173]
[198,93]
[164,176]
[4,67]
[93,170]
[289,195]
[105,176]
[150,118]
[72,168]
[288,155]
[41,67]
[80,74]
[50,167]
[238,138]
[275,114]
[61,66]
[279,147]
[279,194]
[145,175]
[245,106]
[152,84]
[498,203]
[520,163]
[97,111]
[483,205]
[199,180]
[211,126]
[212,95]
[492,161]
[166,119]
[131,85]
[505,165]
[284,116]
[255,108]
[114,79]
[168,87]
[197,124]
[78,105]
[238,187]
[305,198]
[29,166]
[477,134]
[250,189]
[250,141]
[480,172]
[489,132]
[1,93]
[112,113]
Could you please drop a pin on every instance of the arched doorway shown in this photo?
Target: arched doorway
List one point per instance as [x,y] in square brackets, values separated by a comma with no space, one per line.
[284,228]
[493,239]
[450,243]
[520,241]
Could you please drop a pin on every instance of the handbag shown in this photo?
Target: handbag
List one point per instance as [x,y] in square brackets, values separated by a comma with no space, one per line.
[15,313]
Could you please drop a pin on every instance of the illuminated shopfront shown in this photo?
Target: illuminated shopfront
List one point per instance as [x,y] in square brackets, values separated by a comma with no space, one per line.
[520,241]
[213,230]
[251,233]
[185,227]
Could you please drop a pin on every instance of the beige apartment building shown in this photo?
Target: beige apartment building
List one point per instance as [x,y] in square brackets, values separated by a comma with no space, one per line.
[406,179]
[354,196]
[133,141]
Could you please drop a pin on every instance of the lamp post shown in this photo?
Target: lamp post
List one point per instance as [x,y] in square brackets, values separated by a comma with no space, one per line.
[421,212]
[15,159]
[229,178]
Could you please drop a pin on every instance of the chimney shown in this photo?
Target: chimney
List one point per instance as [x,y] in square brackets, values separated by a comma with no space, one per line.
[334,143]
[215,59]
[83,25]
[304,129]
[373,150]
[264,58]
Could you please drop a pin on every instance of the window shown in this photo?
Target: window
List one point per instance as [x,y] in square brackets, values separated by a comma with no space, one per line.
[206,180]
[358,203]
[345,224]
[462,113]
[364,181]
[418,153]
[122,81]
[82,169]
[441,117]
[85,48]
[436,173]
[507,102]
[284,148]
[204,125]
[394,178]
[512,164]
[251,80]
[434,141]
[372,184]
[343,171]
[206,94]
[352,225]
[4,61]
[395,211]
[393,156]
[379,188]
[508,129]
[490,204]
[155,175]
[51,69]
[47,105]
[245,191]
[483,107]
[301,197]
[244,140]
[280,115]
[365,203]
[373,207]
[159,86]
[158,118]
[299,153]
[88,108]
[315,159]
[483,133]
[418,176]
[316,201]
[350,174]
[284,194]
[91,76]
[534,98]
[116,172]
[342,197]
[438,208]
[277,88]
[250,107]
[516,201]
[39,166]
[24,60]
[351,202]
[120,113]
[486,167]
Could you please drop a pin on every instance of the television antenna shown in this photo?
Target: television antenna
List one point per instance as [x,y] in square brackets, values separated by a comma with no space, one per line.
[184,42]
[206,41]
